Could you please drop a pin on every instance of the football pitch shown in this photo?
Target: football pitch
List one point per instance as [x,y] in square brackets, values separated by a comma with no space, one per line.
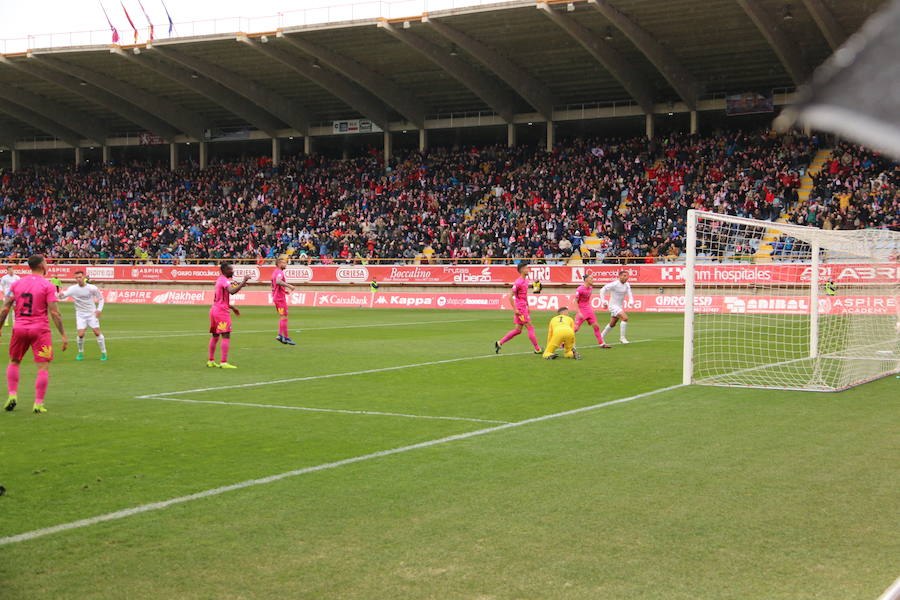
[392,455]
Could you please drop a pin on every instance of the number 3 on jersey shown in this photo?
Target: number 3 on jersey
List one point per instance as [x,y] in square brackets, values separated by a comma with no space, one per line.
[27,305]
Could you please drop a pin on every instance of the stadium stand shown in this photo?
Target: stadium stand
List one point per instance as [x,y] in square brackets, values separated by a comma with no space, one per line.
[610,200]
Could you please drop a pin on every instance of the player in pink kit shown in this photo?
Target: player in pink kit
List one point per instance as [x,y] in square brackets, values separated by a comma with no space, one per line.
[280,287]
[220,315]
[585,311]
[518,301]
[33,298]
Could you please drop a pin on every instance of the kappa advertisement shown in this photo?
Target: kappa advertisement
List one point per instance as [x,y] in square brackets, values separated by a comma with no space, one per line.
[474,275]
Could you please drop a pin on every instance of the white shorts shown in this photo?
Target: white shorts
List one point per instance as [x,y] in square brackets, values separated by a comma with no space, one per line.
[615,311]
[88,321]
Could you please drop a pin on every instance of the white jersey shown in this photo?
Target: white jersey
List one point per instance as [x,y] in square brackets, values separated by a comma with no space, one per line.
[617,292]
[88,298]
[6,283]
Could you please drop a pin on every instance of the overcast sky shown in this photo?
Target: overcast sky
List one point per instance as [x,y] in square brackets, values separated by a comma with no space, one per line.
[21,18]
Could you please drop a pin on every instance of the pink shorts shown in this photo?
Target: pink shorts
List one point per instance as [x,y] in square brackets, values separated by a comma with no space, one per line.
[586,317]
[282,308]
[219,320]
[40,341]
[526,317]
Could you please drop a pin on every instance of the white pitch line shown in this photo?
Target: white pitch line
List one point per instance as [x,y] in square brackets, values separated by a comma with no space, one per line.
[345,374]
[326,410]
[128,512]
[205,333]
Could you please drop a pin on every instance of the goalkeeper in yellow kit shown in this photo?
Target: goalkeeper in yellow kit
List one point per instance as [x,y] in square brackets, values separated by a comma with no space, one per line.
[561,332]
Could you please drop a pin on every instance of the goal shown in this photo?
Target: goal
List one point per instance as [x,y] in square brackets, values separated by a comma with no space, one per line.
[781,306]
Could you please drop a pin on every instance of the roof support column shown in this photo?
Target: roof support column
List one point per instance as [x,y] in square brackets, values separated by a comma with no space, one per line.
[104,150]
[551,138]
[16,159]
[650,123]
[694,123]
[511,135]
[79,157]
[423,139]
[276,152]
[204,155]
[388,148]
[173,156]
[307,145]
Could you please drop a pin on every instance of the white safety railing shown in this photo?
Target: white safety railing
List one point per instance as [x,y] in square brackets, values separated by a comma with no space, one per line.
[333,13]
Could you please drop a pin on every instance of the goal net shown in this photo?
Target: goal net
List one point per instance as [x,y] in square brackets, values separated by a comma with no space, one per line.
[781,306]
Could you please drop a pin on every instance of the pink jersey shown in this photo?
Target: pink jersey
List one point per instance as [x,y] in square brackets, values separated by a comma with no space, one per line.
[278,295]
[583,294]
[32,295]
[221,300]
[520,292]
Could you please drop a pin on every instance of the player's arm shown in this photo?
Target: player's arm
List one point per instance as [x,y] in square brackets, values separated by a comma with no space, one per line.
[98,297]
[630,296]
[53,308]
[549,333]
[602,294]
[283,283]
[511,298]
[234,288]
[4,312]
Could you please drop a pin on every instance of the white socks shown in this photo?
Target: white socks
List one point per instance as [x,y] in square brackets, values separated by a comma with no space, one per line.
[80,344]
[622,326]
[102,341]
[606,331]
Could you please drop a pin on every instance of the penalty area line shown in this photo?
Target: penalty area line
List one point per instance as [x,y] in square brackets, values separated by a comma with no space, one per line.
[238,386]
[344,411]
[144,508]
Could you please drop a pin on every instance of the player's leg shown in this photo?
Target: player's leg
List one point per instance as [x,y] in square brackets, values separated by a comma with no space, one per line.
[509,335]
[624,318]
[42,348]
[532,337]
[101,341]
[12,383]
[579,319]
[283,327]
[552,345]
[226,343]
[40,387]
[18,345]
[612,323]
[80,328]
[213,342]
[592,321]
[569,345]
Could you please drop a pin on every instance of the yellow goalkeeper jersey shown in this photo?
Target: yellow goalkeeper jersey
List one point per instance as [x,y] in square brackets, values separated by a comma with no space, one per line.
[560,324]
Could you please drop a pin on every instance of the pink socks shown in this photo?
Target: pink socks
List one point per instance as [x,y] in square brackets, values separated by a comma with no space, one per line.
[513,333]
[225,343]
[12,379]
[283,327]
[40,385]
[212,347]
[597,333]
[533,337]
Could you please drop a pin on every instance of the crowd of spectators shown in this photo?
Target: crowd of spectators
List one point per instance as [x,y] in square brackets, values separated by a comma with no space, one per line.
[491,203]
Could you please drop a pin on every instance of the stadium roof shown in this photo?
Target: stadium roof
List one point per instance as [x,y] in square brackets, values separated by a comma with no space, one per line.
[499,63]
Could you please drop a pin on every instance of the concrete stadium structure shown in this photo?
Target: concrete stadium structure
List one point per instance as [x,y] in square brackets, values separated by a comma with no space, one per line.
[509,64]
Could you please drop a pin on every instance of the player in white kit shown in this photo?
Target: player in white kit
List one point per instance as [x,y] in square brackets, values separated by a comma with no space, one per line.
[6,288]
[88,308]
[618,289]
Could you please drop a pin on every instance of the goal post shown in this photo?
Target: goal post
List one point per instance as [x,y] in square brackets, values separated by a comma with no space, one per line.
[781,306]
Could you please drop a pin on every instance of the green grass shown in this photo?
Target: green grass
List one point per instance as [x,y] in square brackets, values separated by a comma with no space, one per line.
[698,492]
